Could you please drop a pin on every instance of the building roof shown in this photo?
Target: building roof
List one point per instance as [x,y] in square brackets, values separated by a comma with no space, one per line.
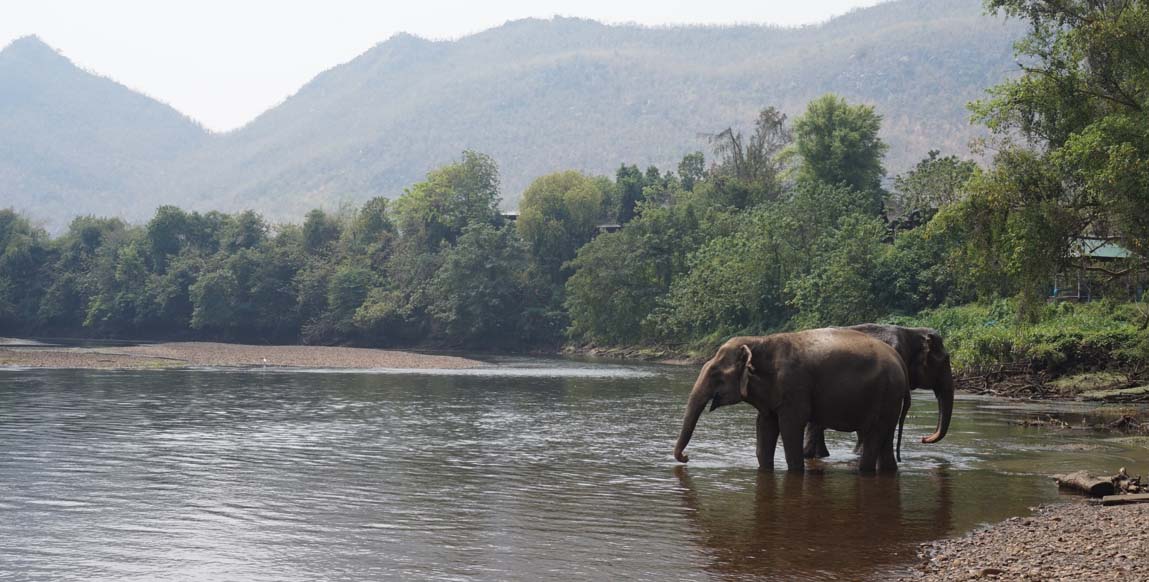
[1099,248]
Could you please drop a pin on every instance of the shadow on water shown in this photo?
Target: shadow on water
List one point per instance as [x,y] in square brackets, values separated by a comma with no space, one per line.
[816,526]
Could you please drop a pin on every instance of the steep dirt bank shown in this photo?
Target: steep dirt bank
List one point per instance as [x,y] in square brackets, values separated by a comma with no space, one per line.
[183,354]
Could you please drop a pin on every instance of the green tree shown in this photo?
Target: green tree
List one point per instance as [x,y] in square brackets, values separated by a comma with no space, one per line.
[371,233]
[320,231]
[1082,100]
[557,215]
[838,144]
[934,182]
[611,290]
[754,165]
[845,285]
[24,252]
[629,182]
[477,296]
[451,198]
[691,170]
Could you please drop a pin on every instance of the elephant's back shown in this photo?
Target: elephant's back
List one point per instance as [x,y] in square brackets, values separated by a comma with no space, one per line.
[832,346]
[853,378]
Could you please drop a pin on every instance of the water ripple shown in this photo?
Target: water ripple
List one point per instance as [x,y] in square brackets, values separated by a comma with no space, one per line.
[552,473]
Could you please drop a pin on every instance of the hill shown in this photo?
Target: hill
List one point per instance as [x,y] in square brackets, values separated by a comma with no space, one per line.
[546,95]
[73,143]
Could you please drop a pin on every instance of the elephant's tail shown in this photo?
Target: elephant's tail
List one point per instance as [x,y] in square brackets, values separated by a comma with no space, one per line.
[902,422]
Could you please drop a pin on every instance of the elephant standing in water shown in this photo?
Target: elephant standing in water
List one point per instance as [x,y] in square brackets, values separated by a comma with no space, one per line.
[836,378]
[928,365]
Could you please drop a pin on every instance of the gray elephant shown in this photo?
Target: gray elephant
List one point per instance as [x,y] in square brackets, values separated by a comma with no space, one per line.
[928,365]
[836,378]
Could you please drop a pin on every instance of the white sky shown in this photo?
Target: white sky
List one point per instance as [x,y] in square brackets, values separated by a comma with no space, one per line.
[223,62]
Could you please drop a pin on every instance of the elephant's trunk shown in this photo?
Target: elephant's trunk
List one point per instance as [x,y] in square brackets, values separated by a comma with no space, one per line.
[702,393]
[944,391]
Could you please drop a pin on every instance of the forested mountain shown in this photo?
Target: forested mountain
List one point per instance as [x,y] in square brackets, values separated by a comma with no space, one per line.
[536,95]
[73,143]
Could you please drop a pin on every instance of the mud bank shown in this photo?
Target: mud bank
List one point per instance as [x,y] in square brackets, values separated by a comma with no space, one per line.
[195,354]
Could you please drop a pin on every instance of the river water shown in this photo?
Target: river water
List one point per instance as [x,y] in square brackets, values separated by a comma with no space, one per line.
[524,471]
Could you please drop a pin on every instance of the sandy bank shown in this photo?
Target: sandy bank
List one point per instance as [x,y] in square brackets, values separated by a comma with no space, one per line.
[1067,541]
[182,354]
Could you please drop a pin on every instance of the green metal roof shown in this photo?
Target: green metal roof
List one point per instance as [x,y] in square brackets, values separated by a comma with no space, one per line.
[1098,248]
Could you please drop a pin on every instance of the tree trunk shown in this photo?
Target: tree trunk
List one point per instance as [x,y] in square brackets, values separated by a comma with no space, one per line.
[1083,482]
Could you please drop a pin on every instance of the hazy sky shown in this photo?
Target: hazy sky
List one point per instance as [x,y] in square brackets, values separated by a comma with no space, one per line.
[225,61]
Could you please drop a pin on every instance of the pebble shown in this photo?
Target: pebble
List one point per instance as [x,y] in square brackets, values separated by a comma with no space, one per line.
[1065,541]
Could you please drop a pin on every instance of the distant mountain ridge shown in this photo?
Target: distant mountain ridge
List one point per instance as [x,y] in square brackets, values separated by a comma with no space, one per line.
[74,143]
[537,95]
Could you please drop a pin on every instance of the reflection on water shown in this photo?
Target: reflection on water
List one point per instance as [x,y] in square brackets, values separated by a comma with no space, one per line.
[145,475]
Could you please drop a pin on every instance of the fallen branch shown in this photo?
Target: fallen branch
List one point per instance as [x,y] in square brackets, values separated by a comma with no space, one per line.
[1083,482]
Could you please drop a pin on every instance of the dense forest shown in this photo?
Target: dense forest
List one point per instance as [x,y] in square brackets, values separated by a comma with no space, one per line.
[788,225]
[537,96]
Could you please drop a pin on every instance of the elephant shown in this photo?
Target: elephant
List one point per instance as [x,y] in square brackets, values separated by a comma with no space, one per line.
[837,378]
[928,365]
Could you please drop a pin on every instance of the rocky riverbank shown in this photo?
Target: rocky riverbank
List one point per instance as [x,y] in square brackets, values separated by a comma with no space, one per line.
[1066,541]
[196,354]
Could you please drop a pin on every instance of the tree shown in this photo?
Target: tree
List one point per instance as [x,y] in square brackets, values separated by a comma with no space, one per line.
[844,286]
[557,215]
[477,295]
[629,182]
[24,253]
[754,165]
[451,198]
[1082,105]
[320,232]
[838,144]
[691,170]
[619,278]
[611,290]
[371,233]
[934,182]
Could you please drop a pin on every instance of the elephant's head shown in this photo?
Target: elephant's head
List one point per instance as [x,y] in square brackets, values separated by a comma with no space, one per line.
[930,368]
[723,380]
[927,362]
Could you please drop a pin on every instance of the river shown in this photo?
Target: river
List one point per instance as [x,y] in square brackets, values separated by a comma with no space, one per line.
[528,470]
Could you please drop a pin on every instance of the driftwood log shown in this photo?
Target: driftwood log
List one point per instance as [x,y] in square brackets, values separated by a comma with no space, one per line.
[1125,499]
[1083,482]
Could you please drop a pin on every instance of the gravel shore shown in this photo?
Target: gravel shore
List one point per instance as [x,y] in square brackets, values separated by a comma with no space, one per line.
[183,354]
[1068,541]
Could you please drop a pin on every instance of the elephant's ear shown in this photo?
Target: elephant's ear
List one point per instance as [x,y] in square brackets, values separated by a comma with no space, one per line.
[921,360]
[747,369]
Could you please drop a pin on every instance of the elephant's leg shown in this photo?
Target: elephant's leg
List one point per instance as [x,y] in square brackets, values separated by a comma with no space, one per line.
[871,449]
[887,462]
[858,445]
[793,427]
[815,442]
[767,439]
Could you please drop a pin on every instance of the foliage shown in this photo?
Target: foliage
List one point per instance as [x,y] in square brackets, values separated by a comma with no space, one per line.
[1063,338]
[842,289]
[754,164]
[933,183]
[479,293]
[1080,103]
[837,143]
[437,209]
[559,213]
